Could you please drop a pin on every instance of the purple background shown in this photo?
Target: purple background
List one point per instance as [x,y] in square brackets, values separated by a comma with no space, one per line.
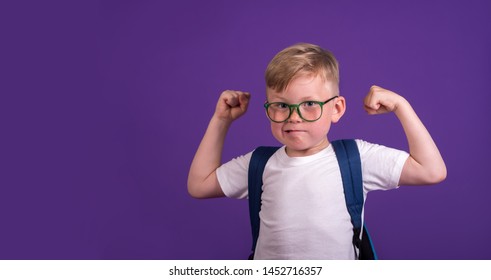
[103,105]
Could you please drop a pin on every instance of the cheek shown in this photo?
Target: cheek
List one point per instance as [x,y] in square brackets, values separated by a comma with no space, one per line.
[276,129]
[322,126]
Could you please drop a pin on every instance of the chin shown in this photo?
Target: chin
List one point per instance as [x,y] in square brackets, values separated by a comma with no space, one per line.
[298,148]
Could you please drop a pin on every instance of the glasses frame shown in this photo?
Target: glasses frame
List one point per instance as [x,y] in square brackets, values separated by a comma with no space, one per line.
[297,106]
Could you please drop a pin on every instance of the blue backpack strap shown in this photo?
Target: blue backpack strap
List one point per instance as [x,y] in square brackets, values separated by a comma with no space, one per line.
[259,158]
[349,162]
[350,165]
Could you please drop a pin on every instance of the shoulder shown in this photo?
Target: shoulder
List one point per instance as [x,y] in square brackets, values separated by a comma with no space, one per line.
[241,161]
[374,156]
[381,165]
[362,145]
[264,152]
[232,176]
[368,148]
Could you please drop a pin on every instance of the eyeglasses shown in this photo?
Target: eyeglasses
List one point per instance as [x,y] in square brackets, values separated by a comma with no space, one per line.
[309,111]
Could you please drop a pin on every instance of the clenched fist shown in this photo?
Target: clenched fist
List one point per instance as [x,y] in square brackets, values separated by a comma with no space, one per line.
[380,100]
[232,104]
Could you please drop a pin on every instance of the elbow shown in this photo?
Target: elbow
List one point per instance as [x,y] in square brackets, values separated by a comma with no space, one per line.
[204,188]
[436,179]
[194,194]
[195,191]
[438,175]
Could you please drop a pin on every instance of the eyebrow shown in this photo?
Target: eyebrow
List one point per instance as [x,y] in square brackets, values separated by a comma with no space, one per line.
[308,98]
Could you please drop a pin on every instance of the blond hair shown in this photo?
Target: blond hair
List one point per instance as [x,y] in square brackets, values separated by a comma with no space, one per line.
[300,59]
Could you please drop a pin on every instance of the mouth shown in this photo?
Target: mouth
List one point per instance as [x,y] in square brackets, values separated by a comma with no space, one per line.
[293,131]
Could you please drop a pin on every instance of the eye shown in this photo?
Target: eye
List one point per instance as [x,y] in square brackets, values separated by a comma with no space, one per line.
[309,104]
[279,105]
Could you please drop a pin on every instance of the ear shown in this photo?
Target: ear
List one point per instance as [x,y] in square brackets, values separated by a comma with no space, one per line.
[338,109]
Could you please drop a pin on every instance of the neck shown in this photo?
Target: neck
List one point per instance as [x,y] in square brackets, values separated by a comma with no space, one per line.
[309,151]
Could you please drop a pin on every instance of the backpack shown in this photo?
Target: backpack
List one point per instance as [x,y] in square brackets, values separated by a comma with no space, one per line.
[350,165]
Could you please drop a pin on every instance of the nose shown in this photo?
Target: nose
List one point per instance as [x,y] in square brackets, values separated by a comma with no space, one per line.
[294,116]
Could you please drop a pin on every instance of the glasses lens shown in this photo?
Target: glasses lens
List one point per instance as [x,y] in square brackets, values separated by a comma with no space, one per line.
[278,112]
[310,111]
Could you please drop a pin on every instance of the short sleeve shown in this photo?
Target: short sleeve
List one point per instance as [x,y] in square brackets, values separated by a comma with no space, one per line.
[381,166]
[232,176]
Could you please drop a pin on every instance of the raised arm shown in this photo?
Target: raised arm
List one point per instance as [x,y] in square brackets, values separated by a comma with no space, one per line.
[202,178]
[425,165]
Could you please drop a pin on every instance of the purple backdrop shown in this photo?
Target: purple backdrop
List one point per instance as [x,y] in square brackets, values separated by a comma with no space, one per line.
[103,105]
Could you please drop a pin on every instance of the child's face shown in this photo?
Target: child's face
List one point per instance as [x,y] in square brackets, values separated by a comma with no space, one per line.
[304,138]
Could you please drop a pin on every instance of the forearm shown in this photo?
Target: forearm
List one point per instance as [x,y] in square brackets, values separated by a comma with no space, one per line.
[202,178]
[425,164]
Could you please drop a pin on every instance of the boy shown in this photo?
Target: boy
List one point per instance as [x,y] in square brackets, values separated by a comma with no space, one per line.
[303,213]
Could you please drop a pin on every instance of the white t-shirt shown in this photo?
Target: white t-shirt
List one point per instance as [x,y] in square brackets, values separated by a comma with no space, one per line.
[303,213]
